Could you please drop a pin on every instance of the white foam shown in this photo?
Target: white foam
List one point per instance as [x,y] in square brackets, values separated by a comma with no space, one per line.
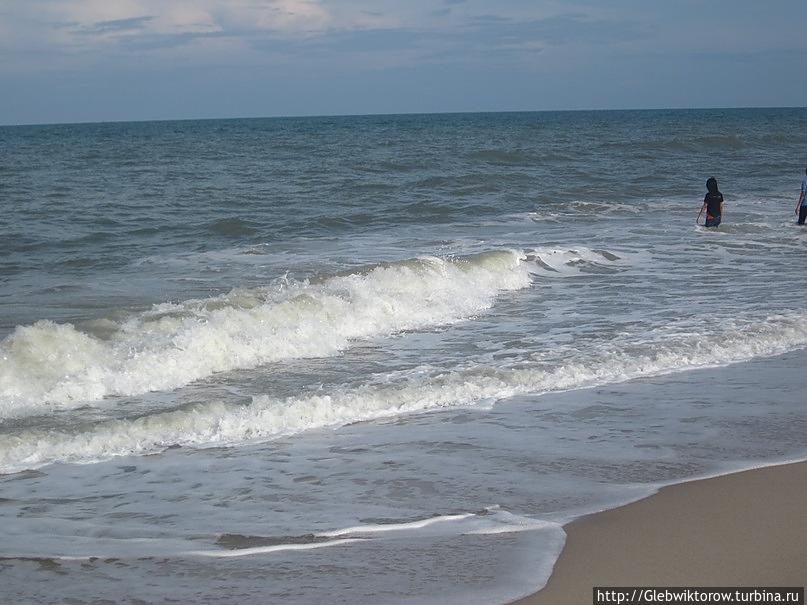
[558,262]
[493,520]
[214,424]
[393,527]
[48,366]
[263,550]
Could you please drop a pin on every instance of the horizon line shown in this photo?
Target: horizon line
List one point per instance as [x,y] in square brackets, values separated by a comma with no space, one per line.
[393,114]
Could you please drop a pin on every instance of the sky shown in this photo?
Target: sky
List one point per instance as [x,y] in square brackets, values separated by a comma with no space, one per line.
[109,60]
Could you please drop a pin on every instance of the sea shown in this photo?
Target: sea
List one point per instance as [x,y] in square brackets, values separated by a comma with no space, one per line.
[381,359]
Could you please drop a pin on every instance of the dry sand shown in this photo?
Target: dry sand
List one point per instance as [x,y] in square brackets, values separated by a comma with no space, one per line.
[744,529]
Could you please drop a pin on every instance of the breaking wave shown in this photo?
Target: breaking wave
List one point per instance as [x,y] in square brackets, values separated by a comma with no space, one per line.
[47,366]
[266,417]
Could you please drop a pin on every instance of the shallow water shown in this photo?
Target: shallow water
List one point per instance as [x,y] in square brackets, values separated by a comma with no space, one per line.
[380,359]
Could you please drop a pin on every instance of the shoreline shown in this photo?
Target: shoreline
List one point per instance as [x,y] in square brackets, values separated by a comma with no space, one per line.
[743,528]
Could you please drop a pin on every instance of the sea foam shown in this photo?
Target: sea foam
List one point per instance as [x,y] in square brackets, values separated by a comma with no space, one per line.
[48,366]
[268,417]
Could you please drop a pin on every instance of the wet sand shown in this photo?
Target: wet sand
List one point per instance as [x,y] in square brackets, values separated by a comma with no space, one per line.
[743,529]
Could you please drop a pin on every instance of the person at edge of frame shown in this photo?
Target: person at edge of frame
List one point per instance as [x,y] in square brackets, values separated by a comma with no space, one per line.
[801,205]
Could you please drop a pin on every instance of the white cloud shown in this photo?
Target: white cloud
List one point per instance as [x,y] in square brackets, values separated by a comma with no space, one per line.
[58,34]
[192,16]
[288,15]
[180,18]
[87,12]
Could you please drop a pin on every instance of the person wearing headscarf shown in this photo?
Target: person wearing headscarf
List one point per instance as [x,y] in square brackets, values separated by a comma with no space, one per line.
[713,203]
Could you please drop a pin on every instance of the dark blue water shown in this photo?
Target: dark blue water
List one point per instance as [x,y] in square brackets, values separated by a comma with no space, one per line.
[85,200]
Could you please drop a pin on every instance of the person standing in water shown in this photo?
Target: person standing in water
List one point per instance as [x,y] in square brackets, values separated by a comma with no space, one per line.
[801,205]
[713,204]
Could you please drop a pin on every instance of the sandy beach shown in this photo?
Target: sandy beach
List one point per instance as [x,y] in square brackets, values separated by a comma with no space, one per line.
[743,529]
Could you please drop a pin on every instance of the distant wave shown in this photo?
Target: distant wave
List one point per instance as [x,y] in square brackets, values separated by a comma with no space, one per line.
[267,417]
[504,157]
[678,144]
[232,227]
[48,366]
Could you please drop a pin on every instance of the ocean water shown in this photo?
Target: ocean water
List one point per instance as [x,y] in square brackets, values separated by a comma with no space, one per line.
[380,359]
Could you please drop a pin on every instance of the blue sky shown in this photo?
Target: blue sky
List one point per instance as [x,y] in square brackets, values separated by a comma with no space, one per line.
[99,60]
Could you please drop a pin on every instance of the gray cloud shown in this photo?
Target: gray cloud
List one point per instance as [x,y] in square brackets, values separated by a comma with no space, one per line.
[479,39]
[132,24]
[557,30]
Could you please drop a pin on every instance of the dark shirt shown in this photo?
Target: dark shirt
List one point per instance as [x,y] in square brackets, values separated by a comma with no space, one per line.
[713,201]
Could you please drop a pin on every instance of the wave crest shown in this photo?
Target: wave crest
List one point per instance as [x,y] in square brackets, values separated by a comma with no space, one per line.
[50,366]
